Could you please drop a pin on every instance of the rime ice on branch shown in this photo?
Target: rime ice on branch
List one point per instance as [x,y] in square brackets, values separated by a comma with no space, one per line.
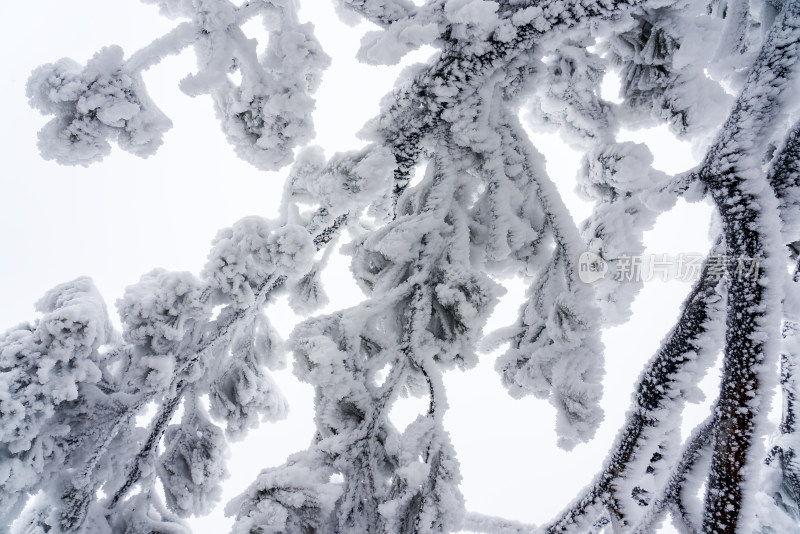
[74,387]
[425,256]
[265,116]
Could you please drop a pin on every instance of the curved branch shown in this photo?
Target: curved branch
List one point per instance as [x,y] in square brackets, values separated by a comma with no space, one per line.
[672,494]
[748,209]
[417,110]
[657,387]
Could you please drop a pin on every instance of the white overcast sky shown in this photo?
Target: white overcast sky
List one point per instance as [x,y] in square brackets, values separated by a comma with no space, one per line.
[120,218]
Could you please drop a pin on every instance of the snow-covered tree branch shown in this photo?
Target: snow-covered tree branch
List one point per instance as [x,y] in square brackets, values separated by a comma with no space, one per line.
[446,198]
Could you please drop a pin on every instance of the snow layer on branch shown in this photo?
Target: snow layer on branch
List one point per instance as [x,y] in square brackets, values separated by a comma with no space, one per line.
[554,354]
[663,62]
[387,47]
[43,364]
[163,316]
[778,501]
[620,177]
[340,355]
[612,170]
[670,379]
[243,395]
[749,211]
[296,497]
[784,176]
[264,347]
[741,26]
[432,236]
[192,466]
[241,392]
[43,518]
[142,514]
[555,348]
[93,104]
[381,12]
[44,368]
[268,114]
[320,359]
[509,221]
[473,22]
[162,310]
[405,27]
[425,496]
[426,309]
[392,482]
[308,294]
[252,252]
[265,116]
[567,94]
[348,181]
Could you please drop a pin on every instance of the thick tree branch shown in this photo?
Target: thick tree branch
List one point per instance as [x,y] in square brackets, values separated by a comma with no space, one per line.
[748,210]
[417,110]
[658,389]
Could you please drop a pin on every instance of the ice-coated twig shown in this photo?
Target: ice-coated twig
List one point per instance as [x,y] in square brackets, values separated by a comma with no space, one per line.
[672,498]
[173,42]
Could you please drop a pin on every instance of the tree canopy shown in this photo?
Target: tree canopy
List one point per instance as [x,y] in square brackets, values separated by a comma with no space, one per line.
[446,196]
